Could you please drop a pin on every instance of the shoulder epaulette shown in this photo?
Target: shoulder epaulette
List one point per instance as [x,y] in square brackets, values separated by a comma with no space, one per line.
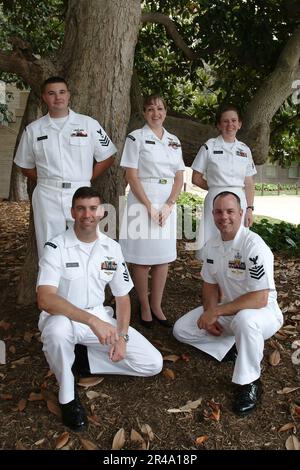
[131,137]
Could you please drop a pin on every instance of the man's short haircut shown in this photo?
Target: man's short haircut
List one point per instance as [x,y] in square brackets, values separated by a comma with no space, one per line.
[53,80]
[85,192]
[227,193]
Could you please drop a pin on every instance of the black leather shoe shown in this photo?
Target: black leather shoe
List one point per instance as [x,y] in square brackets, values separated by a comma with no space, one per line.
[81,363]
[231,355]
[73,414]
[146,323]
[247,398]
[165,323]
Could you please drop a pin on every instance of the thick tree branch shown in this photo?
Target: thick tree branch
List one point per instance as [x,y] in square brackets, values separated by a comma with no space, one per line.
[154,17]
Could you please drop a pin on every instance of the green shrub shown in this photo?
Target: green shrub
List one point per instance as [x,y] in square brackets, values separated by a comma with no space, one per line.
[279,237]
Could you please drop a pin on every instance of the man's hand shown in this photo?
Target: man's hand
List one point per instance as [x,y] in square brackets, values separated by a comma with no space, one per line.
[215,329]
[105,332]
[118,350]
[207,319]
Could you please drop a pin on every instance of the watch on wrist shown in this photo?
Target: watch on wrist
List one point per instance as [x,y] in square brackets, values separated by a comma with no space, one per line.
[250,207]
[171,201]
[124,336]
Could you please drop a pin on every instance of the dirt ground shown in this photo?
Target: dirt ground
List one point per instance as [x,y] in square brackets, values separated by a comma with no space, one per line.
[28,392]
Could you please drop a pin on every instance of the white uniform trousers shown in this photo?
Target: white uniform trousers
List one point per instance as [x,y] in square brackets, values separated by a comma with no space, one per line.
[248,329]
[59,336]
[52,211]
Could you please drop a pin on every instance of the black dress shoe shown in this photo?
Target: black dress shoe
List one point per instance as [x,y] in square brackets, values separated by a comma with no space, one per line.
[81,363]
[231,355]
[247,398]
[73,414]
[146,323]
[165,322]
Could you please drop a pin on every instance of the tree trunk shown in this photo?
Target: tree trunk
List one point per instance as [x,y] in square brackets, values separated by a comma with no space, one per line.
[18,183]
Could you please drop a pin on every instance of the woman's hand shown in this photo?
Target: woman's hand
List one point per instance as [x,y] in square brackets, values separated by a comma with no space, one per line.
[154,214]
[248,218]
[164,213]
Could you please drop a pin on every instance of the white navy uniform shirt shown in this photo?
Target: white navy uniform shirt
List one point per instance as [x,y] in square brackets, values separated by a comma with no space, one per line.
[81,277]
[222,166]
[151,156]
[246,266]
[64,154]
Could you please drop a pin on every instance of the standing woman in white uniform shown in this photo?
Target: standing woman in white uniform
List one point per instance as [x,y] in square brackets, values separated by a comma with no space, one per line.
[154,170]
[224,164]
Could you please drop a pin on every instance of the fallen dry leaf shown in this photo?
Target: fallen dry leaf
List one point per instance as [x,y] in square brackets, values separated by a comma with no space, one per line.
[90,381]
[62,440]
[28,336]
[22,360]
[147,431]
[286,390]
[88,445]
[296,411]
[296,344]
[281,336]
[171,358]
[35,397]
[292,443]
[274,357]
[187,408]
[200,440]
[169,374]
[20,446]
[39,442]
[136,437]
[91,394]
[295,357]
[119,440]
[6,396]
[53,408]
[22,404]
[287,427]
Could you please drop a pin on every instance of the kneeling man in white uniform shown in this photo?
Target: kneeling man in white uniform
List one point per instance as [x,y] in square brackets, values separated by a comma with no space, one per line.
[74,270]
[238,264]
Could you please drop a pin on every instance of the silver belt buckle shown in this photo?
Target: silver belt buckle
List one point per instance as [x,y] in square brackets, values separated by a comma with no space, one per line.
[162,181]
[66,185]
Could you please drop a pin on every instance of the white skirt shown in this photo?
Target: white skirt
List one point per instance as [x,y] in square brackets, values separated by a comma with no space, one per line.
[142,240]
[207,228]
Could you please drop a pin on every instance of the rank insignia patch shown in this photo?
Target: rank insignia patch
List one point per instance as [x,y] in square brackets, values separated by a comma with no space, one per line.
[125,273]
[256,272]
[109,265]
[79,133]
[240,153]
[104,140]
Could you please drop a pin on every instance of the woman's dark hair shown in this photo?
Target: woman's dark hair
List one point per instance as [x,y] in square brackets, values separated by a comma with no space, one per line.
[224,108]
[148,100]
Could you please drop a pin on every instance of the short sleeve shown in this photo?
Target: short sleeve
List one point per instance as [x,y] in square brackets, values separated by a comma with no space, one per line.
[201,160]
[131,152]
[208,271]
[250,170]
[103,146]
[181,165]
[121,283]
[259,265]
[50,266]
[25,155]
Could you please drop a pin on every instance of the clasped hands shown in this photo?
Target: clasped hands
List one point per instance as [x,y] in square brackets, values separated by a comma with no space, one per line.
[160,216]
[209,322]
[108,335]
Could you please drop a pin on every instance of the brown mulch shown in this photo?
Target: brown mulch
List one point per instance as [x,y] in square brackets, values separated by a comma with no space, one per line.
[28,392]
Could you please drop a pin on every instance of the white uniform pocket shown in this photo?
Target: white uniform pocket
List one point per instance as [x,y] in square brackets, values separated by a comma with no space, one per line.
[79,141]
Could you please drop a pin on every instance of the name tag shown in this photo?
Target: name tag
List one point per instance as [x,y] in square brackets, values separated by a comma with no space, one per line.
[150,142]
[42,137]
[210,261]
[218,152]
[72,265]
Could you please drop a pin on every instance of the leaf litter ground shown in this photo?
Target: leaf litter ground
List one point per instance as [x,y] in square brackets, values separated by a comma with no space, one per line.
[187,406]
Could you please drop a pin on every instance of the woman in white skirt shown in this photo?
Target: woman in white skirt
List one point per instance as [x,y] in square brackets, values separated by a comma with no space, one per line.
[224,164]
[154,170]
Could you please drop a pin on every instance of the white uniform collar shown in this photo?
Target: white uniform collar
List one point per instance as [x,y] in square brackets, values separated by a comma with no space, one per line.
[217,241]
[148,131]
[71,239]
[72,119]
[220,142]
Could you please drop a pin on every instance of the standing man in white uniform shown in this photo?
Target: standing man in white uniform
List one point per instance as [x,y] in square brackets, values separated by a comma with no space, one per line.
[224,164]
[74,271]
[57,151]
[239,264]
